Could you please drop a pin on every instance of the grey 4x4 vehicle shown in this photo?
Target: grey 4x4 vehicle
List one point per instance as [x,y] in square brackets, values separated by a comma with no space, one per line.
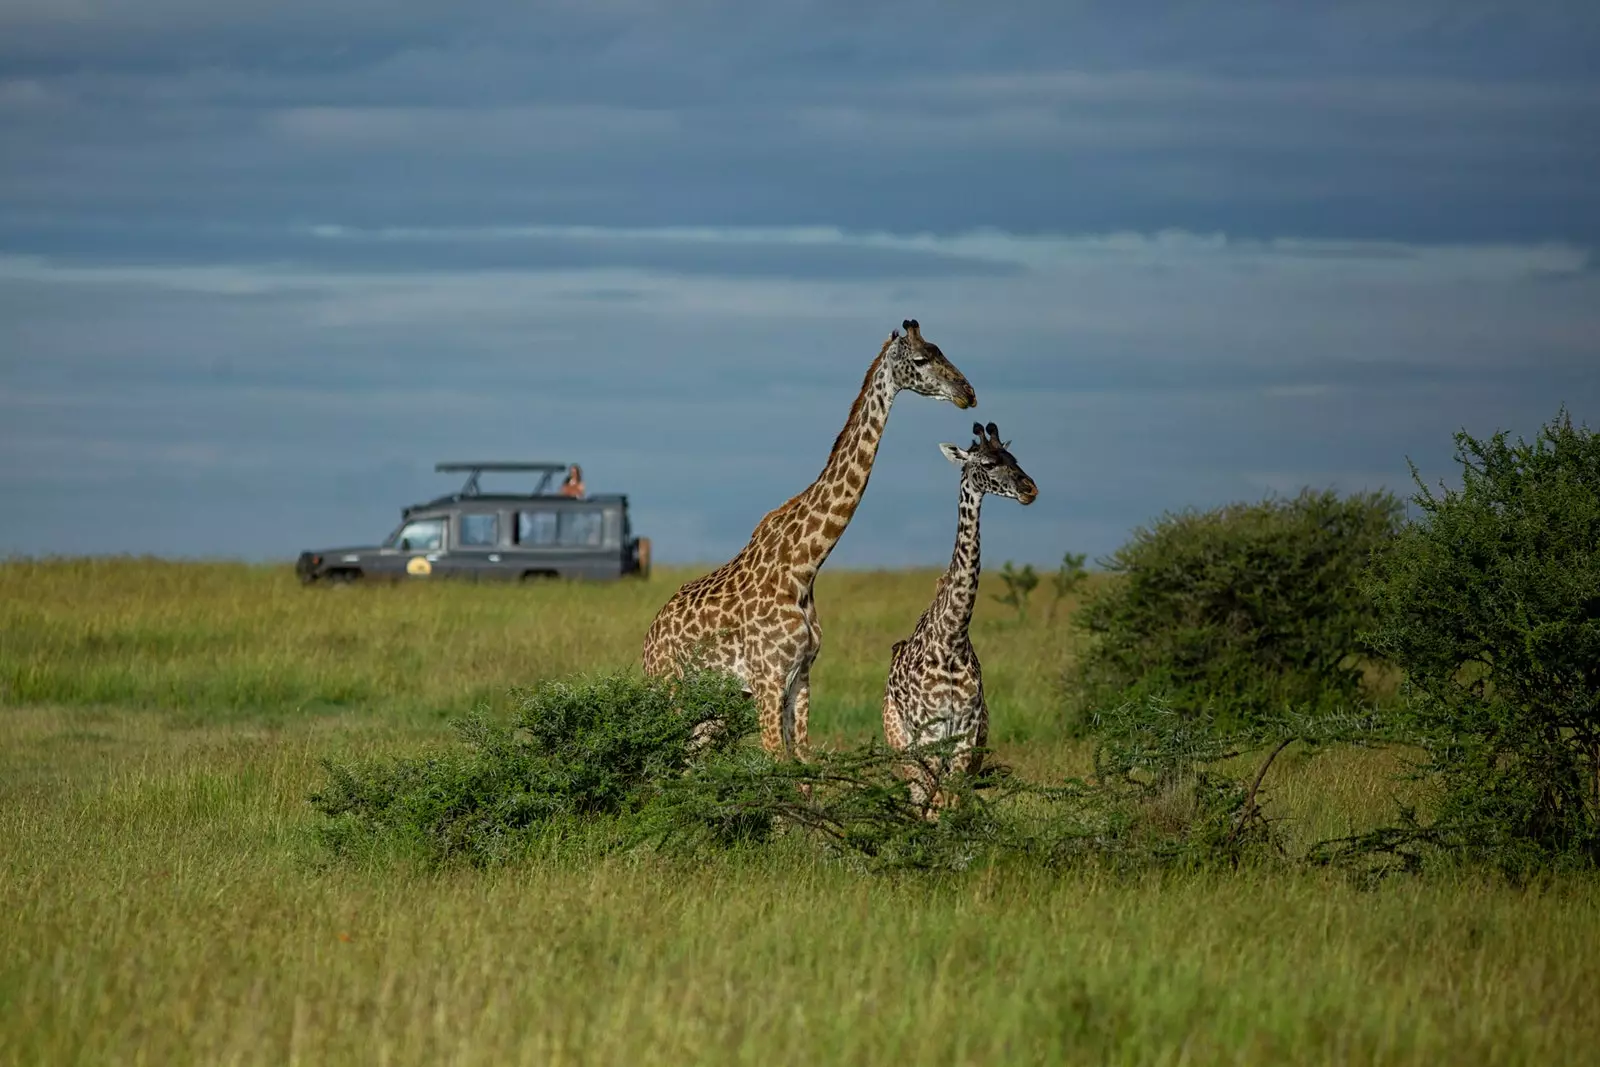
[511,536]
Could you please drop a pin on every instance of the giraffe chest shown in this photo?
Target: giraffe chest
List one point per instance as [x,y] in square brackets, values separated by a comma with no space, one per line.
[937,687]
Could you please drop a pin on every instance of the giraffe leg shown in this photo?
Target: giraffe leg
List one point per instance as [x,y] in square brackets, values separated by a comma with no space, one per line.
[769,697]
[802,716]
[894,731]
[923,793]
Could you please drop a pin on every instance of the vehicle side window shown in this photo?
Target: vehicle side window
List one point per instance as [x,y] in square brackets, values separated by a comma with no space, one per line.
[581,528]
[424,535]
[536,528]
[613,528]
[480,530]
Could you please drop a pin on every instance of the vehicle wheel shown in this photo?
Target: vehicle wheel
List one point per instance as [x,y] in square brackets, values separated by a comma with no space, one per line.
[539,576]
[644,557]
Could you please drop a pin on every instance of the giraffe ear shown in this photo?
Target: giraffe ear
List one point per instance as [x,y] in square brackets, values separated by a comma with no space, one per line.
[954,454]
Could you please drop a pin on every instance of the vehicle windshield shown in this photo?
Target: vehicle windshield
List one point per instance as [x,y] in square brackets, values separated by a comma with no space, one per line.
[420,534]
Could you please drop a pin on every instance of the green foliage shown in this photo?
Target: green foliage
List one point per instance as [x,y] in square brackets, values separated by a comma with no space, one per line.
[853,803]
[1490,603]
[1157,796]
[599,748]
[1167,789]
[1020,585]
[1158,799]
[1239,612]
[1068,579]
[615,764]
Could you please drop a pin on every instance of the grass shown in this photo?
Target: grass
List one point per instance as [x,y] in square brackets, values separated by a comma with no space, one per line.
[234,640]
[161,902]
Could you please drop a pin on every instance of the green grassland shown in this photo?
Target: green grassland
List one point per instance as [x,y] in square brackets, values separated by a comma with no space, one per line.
[161,900]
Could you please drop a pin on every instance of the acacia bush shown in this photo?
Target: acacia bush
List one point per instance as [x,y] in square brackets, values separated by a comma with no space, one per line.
[575,754]
[621,761]
[612,764]
[1237,612]
[1490,603]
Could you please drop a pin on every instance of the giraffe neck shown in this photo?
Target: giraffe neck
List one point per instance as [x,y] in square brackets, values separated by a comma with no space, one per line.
[959,589]
[830,502]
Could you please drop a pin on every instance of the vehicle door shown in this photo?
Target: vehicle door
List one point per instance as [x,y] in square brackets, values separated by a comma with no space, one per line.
[476,549]
[534,547]
[414,549]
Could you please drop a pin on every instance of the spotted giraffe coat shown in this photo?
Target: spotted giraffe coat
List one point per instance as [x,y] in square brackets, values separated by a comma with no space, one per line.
[755,616]
[934,692]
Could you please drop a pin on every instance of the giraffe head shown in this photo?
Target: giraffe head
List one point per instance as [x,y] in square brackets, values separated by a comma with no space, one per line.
[991,467]
[918,365]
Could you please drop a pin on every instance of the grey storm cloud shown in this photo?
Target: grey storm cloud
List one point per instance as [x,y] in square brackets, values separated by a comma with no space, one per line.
[261,265]
[1438,122]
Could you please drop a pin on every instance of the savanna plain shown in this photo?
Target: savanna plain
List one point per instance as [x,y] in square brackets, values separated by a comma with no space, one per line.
[163,898]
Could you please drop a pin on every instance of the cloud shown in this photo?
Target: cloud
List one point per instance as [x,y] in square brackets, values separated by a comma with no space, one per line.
[1435,125]
[1136,373]
[512,130]
[1184,252]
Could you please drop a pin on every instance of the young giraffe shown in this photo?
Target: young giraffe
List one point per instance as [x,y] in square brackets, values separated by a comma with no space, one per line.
[935,687]
[754,616]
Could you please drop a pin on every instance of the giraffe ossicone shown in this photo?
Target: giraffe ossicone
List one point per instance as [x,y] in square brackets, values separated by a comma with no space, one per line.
[934,694]
[755,616]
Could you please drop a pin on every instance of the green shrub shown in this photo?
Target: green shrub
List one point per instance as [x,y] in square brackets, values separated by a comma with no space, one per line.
[1490,603]
[611,764]
[592,751]
[851,804]
[1238,612]
[1185,790]
[1020,585]
[1068,579]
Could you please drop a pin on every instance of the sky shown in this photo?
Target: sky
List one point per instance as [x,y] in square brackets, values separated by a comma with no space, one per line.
[263,264]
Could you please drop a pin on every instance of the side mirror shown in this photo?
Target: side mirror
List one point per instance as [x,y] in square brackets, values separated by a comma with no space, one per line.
[405,544]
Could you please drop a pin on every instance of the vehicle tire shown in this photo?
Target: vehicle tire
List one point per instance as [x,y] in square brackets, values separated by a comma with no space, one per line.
[539,576]
[644,557]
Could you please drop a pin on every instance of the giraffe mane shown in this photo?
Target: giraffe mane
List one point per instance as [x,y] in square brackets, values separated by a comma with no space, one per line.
[855,405]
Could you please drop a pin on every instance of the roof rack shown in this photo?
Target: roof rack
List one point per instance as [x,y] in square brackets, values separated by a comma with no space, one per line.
[548,470]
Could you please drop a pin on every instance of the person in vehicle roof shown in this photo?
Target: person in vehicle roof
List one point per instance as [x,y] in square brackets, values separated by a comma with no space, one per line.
[573,486]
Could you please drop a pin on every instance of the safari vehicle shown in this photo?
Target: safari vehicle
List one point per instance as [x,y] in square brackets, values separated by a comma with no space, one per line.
[495,536]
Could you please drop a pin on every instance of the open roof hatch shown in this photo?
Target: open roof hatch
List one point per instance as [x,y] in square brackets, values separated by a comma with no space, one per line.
[547,472]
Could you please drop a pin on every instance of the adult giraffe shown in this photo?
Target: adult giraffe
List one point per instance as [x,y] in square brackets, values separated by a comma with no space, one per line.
[755,616]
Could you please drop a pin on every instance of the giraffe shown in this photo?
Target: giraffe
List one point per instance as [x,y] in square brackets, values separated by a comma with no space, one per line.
[755,615]
[935,687]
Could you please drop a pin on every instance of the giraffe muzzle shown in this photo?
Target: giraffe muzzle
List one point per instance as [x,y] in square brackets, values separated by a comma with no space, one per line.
[964,396]
[1028,492]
